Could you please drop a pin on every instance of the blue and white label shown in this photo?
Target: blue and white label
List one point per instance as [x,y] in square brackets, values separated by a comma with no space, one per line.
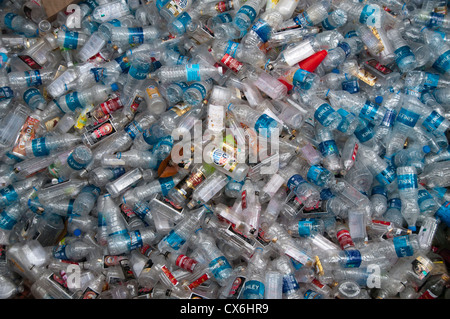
[369,111]
[6,221]
[33,77]
[174,240]
[253,288]
[135,35]
[295,181]
[70,40]
[370,15]
[353,258]
[395,203]
[314,174]
[442,64]
[139,73]
[436,20]
[403,247]
[199,87]
[351,86]
[133,129]
[386,176]
[263,30]
[39,148]
[59,252]
[74,164]
[265,123]
[248,11]
[322,114]
[379,190]
[433,121]
[432,80]
[407,181]
[29,94]
[72,101]
[328,148]
[299,77]
[135,240]
[403,53]
[303,19]
[218,265]
[6,93]
[407,117]
[8,195]
[305,226]
[166,184]
[389,118]
[346,48]
[193,72]
[364,134]
[290,284]
[423,195]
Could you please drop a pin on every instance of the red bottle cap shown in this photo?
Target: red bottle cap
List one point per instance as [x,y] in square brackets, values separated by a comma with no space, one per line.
[311,63]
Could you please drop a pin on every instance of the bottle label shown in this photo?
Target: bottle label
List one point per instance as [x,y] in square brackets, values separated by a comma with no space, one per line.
[142,210]
[444,213]
[72,101]
[139,73]
[186,263]
[248,11]
[231,63]
[290,284]
[232,48]
[27,133]
[311,294]
[71,40]
[314,174]
[428,295]
[199,87]
[152,92]
[380,190]
[433,121]
[305,226]
[303,19]
[353,258]
[33,78]
[222,159]
[123,62]
[351,86]
[423,196]
[369,111]
[262,29]
[193,72]
[346,48]
[402,53]
[364,134]
[175,7]
[135,240]
[442,64]
[39,148]
[294,181]
[29,94]
[378,66]
[236,288]
[403,247]
[190,183]
[369,15]
[224,17]
[99,73]
[89,293]
[407,181]
[59,252]
[389,118]
[322,114]
[174,240]
[344,239]
[395,203]
[253,288]
[74,164]
[135,35]
[218,265]
[133,129]
[328,148]
[6,93]
[299,77]
[166,184]
[436,20]
[431,80]
[99,132]
[347,118]
[386,176]
[265,122]
[30,62]
[6,221]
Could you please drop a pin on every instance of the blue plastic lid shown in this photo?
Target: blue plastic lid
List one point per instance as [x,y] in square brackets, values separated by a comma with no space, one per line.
[378,99]
[412,228]
[114,87]
[335,71]
[426,149]
[77,232]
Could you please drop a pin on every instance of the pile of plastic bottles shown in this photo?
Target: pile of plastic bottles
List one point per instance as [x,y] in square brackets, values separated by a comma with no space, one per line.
[178,149]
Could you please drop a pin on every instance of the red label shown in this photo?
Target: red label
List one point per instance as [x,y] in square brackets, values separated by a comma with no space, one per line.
[428,295]
[244,199]
[198,281]
[344,238]
[231,63]
[30,62]
[381,222]
[111,105]
[103,130]
[355,151]
[169,275]
[186,263]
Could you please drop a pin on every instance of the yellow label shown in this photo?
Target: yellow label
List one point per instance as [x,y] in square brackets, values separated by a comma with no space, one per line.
[82,118]
[152,92]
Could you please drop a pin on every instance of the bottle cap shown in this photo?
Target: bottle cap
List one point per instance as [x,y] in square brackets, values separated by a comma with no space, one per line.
[114,87]
[379,99]
[77,232]
[412,228]
[335,71]
[426,149]
[310,64]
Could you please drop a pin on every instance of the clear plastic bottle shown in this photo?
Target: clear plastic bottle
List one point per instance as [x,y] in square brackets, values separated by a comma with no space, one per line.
[408,191]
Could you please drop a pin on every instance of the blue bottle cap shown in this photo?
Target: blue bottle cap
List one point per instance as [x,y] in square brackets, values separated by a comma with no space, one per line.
[77,232]
[426,149]
[378,99]
[114,87]
[157,65]
[335,71]
[412,228]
